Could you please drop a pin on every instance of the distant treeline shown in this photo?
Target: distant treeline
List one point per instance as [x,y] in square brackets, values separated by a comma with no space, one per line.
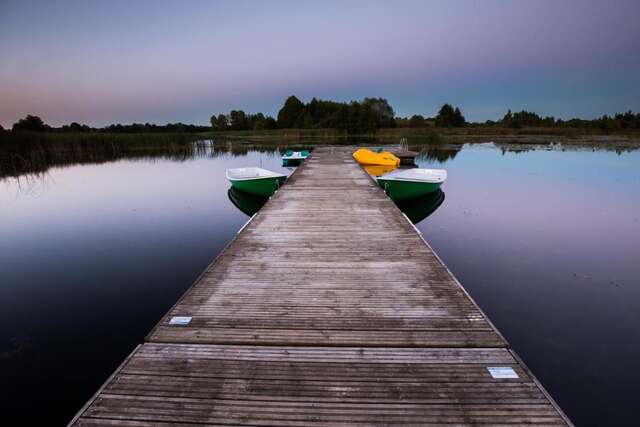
[627,120]
[355,118]
[522,119]
[239,120]
[370,114]
[36,124]
[447,116]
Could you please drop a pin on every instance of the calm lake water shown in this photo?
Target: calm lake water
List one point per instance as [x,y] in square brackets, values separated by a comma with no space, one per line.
[546,241]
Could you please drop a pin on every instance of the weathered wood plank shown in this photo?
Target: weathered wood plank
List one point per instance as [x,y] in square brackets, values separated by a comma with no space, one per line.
[329,228]
[250,385]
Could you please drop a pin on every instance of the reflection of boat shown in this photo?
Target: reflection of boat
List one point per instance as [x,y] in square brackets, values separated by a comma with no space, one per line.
[255,180]
[246,202]
[368,157]
[378,170]
[294,158]
[412,183]
[419,208]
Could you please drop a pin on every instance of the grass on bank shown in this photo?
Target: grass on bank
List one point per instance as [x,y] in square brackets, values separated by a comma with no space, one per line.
[33,152]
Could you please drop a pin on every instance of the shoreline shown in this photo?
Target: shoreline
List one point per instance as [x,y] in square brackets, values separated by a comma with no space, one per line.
[573,138]
[426,135]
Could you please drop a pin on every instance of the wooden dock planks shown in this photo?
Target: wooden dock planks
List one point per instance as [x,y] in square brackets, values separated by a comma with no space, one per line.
[327,309]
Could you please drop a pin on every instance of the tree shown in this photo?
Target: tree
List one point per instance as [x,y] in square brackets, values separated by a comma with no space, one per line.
[29,123]
[458,118]
[449,117]
[606,123]
[75,127]
[260,122]
[270,123]
[238,120]
[382,111]
[508,118]
[445,116]
[628,120]
[304,121]
[362,119]
[1,128]
[340,118]
[416,121]
[257,121]
[254,120]
[525,118]
[289,113]
[219,122]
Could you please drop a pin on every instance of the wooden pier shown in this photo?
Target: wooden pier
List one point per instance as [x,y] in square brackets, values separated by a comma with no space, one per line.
[327,309]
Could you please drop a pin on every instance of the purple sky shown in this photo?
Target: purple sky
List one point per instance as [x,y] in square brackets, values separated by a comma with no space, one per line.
[165,61]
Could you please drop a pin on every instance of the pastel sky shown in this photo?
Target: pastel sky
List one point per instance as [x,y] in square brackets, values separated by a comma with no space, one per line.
[99,62]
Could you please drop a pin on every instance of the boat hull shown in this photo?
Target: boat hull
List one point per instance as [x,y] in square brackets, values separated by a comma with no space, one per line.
[403,190]
[292,162]
[367,157]
[259,186]
[294,158]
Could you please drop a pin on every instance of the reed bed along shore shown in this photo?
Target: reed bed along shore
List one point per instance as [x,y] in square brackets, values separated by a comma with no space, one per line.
[586,137]
[26,152]
[30,152]
[34,153]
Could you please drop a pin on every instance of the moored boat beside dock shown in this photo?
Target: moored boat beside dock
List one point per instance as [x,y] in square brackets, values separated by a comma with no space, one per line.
[294,158]
[255,180]
[411,183]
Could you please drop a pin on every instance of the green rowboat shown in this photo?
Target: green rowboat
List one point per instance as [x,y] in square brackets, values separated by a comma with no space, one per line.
[255,180]
[411,183]
[294,158]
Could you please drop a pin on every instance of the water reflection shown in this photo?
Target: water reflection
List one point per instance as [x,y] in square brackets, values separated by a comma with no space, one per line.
[546,242]
[437,153]
[249,204]
[421,207]
[37,158]
[416,209]
[379,170]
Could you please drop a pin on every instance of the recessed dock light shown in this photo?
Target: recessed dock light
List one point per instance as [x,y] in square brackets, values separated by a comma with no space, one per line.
[502,372]
[180,320]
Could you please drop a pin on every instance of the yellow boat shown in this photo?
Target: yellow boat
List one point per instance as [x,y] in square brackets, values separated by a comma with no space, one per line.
[368,157]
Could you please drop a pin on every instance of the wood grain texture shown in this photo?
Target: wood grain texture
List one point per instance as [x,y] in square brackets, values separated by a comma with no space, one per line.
[329,309]
[214,384]
[330,260]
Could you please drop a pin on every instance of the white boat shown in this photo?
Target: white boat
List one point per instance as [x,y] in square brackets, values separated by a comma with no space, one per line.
[255,180]
[291,158]
[410,183]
